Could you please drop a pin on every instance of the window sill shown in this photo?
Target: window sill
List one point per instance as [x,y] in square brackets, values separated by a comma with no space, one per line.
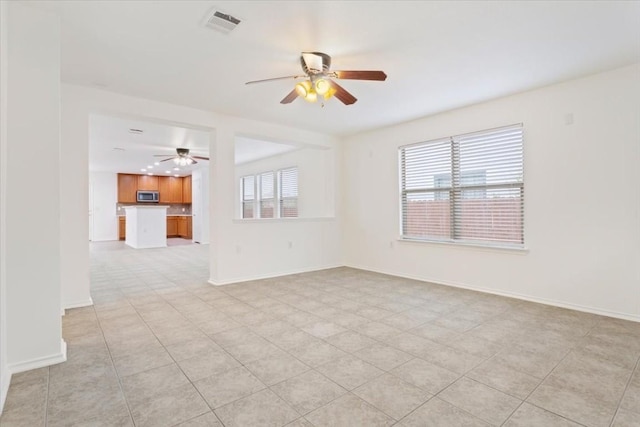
[468,246]
[267,220]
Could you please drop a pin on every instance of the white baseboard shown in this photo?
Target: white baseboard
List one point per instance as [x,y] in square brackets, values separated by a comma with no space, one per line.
[40,362]
[5,379]
[77,304]
[271,275]
[552,302]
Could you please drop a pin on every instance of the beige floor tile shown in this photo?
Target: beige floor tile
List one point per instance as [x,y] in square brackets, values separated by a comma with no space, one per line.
[574,406]
[531,416]
[263,408]
[323,329]
[226,387]
[438,413]
[425,375]
[169,407]
[350,341]
[316,353]
[276,367]
[143,361]
[383,357]
[503,378]
[207,364]
[626,418]
[145,384]
[308,391]
[392,396]
[481,401]
[252,350]
[348,411]
[189,349]
[349,371]
[207,420]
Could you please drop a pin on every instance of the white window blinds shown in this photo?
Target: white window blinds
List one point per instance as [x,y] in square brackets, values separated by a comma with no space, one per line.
[267,195]
[248,196]
[288,184]
[466,188]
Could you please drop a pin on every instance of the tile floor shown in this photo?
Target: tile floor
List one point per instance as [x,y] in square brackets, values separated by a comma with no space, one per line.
[339,347]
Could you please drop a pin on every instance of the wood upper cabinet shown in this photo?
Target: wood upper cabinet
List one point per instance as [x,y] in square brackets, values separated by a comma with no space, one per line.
[170,188]
[127,188]
[175,183]
[186,189]
[165,189]
[147,183]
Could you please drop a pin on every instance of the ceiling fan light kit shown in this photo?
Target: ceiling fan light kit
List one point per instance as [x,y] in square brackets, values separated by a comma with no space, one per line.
[182,158]
[316,66]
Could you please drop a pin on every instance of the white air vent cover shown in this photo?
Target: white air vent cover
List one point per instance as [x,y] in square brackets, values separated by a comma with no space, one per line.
[221,21]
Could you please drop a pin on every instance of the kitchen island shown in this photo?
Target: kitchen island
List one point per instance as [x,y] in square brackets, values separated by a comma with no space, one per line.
[146,226]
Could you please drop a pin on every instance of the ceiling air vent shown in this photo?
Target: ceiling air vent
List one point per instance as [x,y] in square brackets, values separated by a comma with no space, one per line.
[222,22]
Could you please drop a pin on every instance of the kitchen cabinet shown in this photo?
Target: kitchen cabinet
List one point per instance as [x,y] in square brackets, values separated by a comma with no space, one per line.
[186,189]
[147,183]
[172,226]
[189,228]
[170,188]
[164,189]
[122,227]
[182,226]
[127,188]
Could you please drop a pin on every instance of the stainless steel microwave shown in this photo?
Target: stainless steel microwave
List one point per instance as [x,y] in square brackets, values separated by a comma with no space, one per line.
[148,196]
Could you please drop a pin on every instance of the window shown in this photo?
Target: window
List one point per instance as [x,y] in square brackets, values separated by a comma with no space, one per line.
[288,184]
[248,185]
[483,203]
[267,195]
[263,192]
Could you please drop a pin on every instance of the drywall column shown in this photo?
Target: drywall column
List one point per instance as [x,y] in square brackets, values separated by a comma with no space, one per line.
[221,178]
[5,376]
[74,206]
[34,331]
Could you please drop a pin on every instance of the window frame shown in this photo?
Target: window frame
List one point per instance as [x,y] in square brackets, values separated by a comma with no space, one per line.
[258,197]
[457,176]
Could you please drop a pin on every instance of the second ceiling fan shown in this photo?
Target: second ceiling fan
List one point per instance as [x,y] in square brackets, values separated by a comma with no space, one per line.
[317,68]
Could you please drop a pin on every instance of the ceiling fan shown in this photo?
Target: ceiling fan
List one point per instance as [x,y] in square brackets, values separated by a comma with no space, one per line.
[182,158]
[317,69]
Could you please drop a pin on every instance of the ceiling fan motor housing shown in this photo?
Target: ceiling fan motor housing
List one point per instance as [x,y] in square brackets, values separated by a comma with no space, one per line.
[182,152]
[309,69]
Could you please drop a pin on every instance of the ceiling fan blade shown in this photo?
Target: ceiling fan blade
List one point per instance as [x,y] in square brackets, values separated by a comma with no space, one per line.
[290,97]
[341,93]
[361,75]
[273,79]
[199,157]
[193,161]
[166,160]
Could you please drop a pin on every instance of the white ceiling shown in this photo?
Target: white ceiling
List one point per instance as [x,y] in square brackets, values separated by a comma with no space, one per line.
[437,55]
[113,148]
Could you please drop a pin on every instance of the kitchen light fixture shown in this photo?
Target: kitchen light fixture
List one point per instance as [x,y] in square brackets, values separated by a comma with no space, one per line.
[149,173]
[176,169]
[176,175]
[157,163]
[167,171]
[149,167]
[143,170]
[183,161]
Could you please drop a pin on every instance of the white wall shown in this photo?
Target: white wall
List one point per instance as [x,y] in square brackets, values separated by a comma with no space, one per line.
[321,247]
[316,170]
[105,196]
[582,198]
[33,326]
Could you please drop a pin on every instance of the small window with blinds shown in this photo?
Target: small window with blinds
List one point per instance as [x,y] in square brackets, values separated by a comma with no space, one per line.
[288,192]
[248,196]
[465,189]
[267,195]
